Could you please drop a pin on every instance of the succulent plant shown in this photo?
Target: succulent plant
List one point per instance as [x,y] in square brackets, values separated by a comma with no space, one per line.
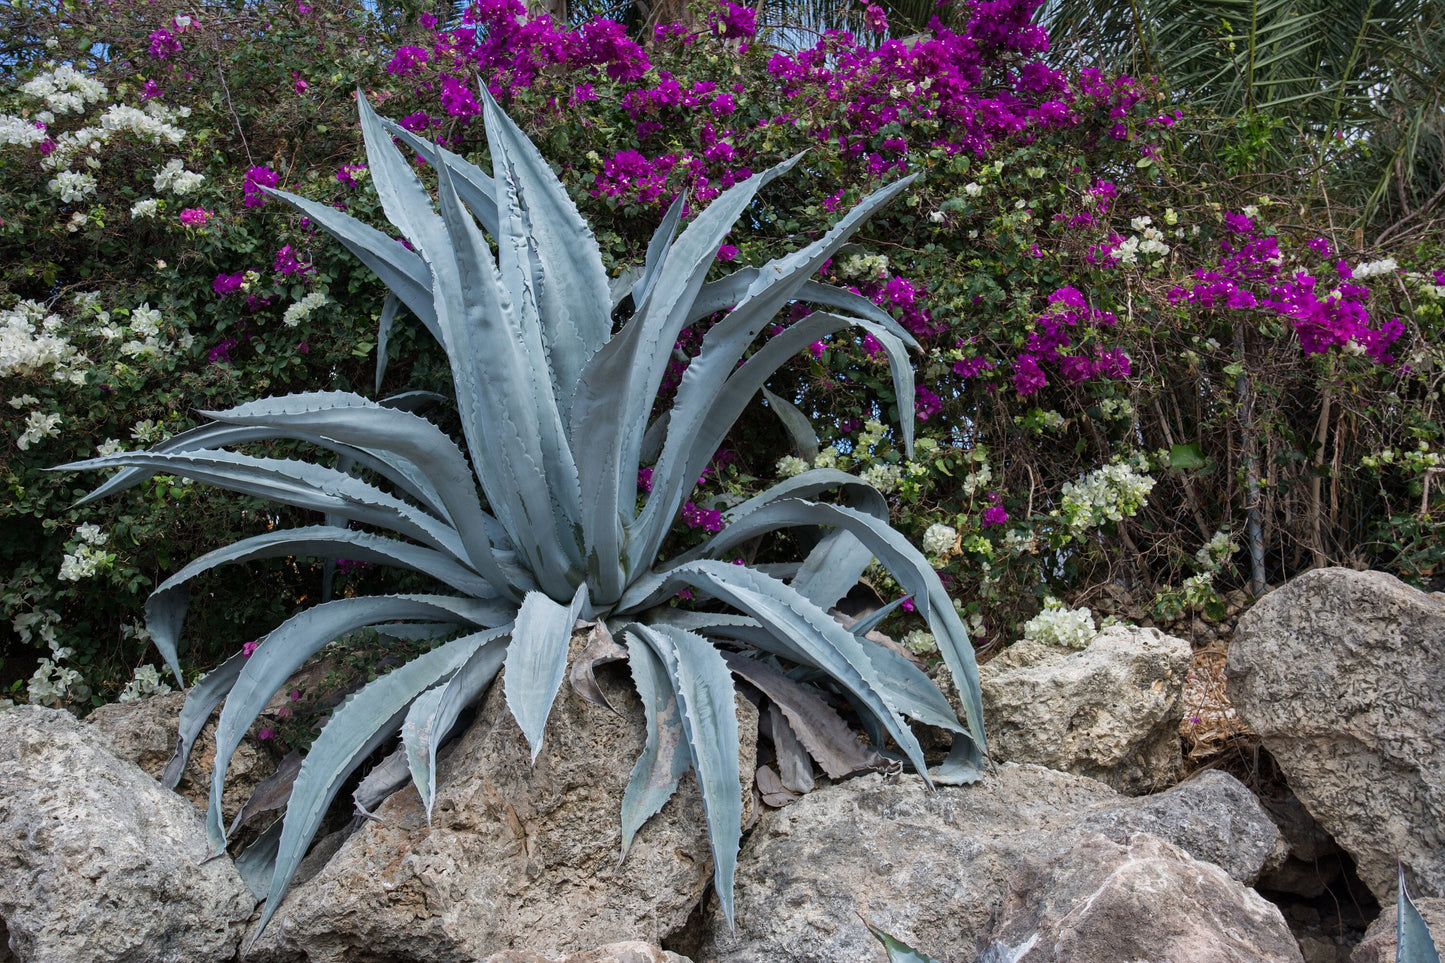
[536,524]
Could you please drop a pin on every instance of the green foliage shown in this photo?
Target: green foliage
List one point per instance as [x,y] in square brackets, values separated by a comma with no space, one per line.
[554,409]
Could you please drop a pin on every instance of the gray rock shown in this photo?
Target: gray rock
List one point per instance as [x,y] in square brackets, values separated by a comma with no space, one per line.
[1379,944]
[632,951]
[144,732]
[934,868]
[518,857]
[1110,711]
[1342,674]
[1098,901]
[1212,816]
[97,861]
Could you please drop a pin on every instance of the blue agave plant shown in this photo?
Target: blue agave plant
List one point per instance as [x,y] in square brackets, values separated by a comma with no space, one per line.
[536,524]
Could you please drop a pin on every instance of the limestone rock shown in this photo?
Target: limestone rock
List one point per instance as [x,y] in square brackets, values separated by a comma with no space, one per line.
[145,733]
[1342,674]
[518,857]
[1098,900]
[1379,945]
[934,868]
[1110,711]
[632,951]
[97,861]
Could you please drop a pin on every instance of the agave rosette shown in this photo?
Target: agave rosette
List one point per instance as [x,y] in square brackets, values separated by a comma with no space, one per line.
[536,525]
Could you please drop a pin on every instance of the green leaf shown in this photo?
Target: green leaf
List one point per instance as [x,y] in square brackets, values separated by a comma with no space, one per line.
[1186,456]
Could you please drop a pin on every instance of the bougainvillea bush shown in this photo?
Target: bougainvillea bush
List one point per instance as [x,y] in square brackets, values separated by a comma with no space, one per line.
[1134,373]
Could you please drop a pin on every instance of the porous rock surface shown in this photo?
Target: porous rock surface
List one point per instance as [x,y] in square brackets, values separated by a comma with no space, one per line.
[631,951]
[97,861]
[1110,711]
[518,857]
[1342,674]
[144,732]
[935,868]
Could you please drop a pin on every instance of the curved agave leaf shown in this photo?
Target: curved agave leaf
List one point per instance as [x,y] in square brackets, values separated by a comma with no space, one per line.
[349,737]
[665,757]
[617,387]
[811,720]
[684,459]
[383,335]
[475,187]
[799,428]
[201,701]
[435,712]
[704,690]
[294,641]
[296,483]
[401,270]
[537,660]
[167,605]
[788,615]
[657,249]
[908,566]
[861,627]
[357,421]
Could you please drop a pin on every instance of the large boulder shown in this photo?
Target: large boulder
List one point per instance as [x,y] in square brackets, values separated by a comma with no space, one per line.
[1110,711]
[1342,674]
[97,861]
[935,868]
[1099,901]
[518,856]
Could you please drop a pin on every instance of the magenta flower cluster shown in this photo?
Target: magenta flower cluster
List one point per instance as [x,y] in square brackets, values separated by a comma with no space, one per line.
[256,178]
[1250,274]
[1052,344]
[707,519]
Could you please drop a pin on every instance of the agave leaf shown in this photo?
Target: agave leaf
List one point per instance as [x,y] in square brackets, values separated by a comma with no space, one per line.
[383,335]
[805,439]
[402,271]
[701,420]
[964,765]
[294,641]
[598,650]
[357,421]
[861,627]
[270,793]
[704,689]
[788,615]
[403,199]
[657,249]
[495,359]
[834,566]
[387,777]
[166,607]
[617,386]
[906,564]
[898,951]
[434,713]
[795,766]
[771,788]
[475,187]
[349,737]
[537,659]
[201,701]
[257,862]
[1413,943]
[296,483]
[573,302]
[820,730]
[619,287]
[665,757]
